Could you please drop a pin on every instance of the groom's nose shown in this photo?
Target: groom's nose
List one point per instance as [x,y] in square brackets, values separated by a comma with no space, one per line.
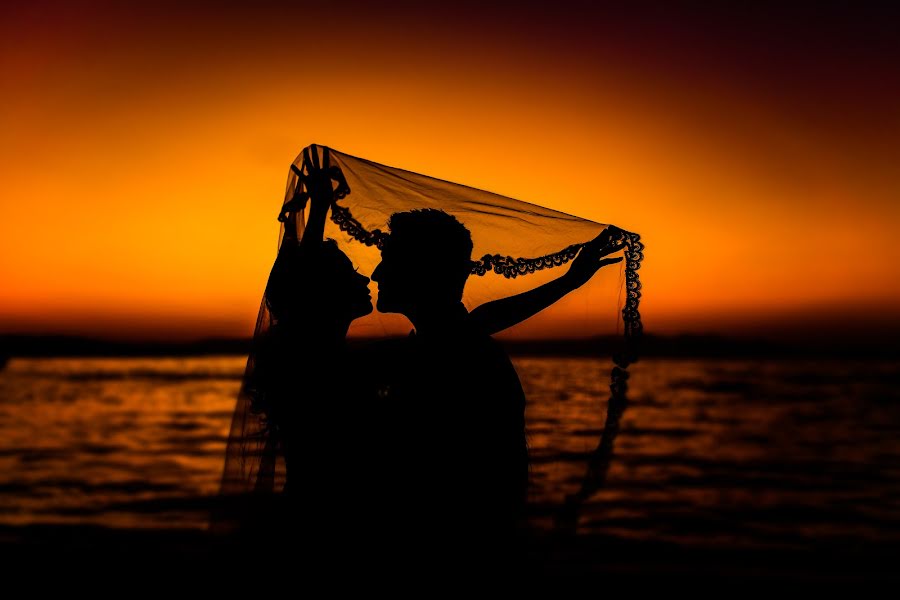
[376,274]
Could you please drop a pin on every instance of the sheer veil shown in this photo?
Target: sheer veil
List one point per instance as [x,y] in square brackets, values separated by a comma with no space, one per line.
[517,246]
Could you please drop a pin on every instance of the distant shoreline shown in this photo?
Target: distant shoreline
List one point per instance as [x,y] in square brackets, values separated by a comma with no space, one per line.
[651,346]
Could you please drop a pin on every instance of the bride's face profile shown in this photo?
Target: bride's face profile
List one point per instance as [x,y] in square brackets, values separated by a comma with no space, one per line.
[348,290]
[322,285]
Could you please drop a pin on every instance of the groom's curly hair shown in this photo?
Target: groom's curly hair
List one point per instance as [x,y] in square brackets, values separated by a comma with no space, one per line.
[434,243]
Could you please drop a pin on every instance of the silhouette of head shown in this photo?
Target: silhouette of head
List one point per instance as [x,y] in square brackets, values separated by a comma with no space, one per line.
[425,262]
[317,283]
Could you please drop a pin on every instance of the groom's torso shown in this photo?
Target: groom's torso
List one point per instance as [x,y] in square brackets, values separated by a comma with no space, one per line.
[453,415]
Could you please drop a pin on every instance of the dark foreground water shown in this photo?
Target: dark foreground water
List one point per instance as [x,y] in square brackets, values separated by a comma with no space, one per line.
[711,454]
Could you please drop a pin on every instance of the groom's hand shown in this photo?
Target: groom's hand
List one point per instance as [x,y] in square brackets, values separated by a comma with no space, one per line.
[590,257]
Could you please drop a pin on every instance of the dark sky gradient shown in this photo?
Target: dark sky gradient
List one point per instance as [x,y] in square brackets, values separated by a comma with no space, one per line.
[754,147]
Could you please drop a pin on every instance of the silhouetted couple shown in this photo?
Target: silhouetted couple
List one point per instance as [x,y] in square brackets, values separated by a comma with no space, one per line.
[417,443]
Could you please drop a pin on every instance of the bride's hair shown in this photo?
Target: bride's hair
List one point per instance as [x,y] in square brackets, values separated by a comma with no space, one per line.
[302,276]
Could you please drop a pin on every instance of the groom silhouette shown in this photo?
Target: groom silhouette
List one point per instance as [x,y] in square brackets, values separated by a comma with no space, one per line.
[459,458]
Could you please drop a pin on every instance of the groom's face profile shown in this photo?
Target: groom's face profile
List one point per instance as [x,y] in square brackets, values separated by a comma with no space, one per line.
[395,292]
[424,262]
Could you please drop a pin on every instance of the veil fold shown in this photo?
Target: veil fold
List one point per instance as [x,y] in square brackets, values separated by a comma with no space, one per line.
[517,246]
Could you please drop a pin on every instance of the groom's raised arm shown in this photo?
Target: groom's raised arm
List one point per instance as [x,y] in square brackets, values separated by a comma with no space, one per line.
[494,317]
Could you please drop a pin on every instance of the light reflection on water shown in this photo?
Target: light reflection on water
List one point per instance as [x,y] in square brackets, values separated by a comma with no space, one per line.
[737,452]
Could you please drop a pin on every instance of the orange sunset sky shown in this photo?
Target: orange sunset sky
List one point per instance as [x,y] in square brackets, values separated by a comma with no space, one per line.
[145,149]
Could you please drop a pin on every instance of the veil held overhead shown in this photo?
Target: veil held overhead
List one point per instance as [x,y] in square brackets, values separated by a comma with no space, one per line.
[516,246]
